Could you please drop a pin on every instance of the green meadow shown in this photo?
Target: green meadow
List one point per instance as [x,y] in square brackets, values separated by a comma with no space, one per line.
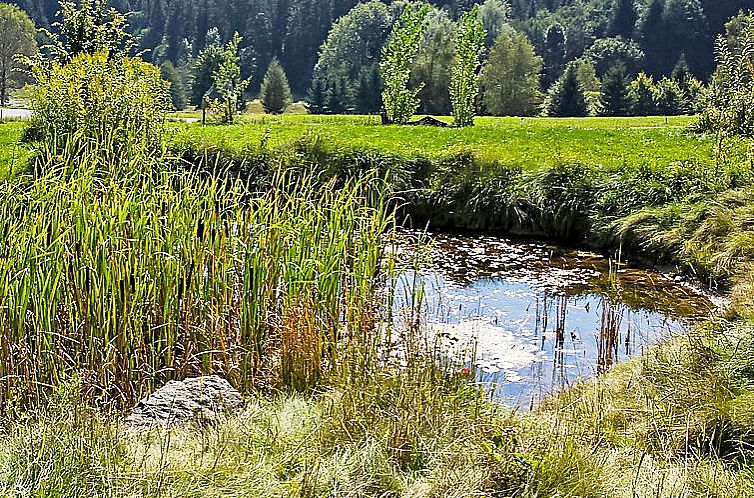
[529,143]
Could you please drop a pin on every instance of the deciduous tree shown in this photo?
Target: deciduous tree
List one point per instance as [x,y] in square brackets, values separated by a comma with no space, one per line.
[227,78]
[16,40]
[464,83]
[398,56]
[510,77]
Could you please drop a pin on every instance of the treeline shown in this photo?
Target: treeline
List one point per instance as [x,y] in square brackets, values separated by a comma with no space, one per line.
[329,49]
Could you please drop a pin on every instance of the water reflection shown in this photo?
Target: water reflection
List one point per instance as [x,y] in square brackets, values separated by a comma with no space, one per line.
[533,317]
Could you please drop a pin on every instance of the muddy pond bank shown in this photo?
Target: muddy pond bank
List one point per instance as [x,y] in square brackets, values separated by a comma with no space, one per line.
[533,318]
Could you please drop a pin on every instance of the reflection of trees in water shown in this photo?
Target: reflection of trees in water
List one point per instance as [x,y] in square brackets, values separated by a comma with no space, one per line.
[464,260]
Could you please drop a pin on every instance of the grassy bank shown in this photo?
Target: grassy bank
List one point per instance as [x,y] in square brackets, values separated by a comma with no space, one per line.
[583,181]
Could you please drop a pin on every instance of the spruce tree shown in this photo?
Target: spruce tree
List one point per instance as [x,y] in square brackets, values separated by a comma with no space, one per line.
[555,53]
[623,20]
[275,92]
[614,98]
[316,97]
[566,97]
[642,96]
[652,37]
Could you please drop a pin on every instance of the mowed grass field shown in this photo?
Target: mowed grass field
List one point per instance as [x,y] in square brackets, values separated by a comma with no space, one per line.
[13,154]
[526,143]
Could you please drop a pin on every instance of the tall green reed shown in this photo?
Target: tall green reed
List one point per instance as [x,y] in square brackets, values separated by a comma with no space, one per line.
[125,273]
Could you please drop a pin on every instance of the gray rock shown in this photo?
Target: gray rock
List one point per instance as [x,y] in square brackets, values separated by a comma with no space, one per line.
[198,399]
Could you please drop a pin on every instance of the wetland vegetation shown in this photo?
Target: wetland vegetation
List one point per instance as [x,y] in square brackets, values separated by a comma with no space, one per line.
[290,255]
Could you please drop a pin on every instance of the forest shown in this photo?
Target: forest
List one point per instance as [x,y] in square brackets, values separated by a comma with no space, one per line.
[329,49]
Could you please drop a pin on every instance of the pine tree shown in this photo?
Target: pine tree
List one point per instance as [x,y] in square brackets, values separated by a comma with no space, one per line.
[614,99]
[642,95]
[317,97]
[275,92]
[368,91]
[623,20]
[652,37]
[340,96]
[554,53]
[566,97]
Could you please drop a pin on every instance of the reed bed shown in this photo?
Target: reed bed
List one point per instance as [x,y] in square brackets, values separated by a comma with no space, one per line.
[124,274]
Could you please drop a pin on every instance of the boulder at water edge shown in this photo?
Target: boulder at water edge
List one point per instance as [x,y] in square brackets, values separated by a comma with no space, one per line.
[198,399]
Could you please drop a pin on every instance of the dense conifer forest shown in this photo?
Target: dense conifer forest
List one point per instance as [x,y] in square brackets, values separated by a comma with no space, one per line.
[644,35]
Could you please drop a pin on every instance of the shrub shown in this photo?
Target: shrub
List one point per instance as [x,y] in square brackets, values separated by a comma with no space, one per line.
[730,107]
[112,101]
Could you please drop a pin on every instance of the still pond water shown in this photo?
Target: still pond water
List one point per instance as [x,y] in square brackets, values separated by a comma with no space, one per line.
[534,318]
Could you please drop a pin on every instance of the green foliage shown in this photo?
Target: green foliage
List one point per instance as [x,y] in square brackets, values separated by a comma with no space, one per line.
[623,20]
[114,102]
[590,83]
[510,77]
[275,93]
[316,97]
[202,69]
[178,94]
[398,56]
[641,92]
[614,95]
[554,53]
[349,57]
[607,52]
[89,27]
[669,98]
[495,15]
[16,41]
[432,68]
[566,97]
[464,84]
[227,79]
[730,106]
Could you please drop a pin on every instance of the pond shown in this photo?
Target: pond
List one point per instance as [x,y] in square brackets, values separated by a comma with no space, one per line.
[534,318]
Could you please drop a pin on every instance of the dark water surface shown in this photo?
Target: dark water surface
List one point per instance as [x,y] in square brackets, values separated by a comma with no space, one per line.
[534,318]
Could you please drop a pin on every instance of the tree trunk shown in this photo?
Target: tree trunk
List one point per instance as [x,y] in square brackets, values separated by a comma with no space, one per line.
[3,86]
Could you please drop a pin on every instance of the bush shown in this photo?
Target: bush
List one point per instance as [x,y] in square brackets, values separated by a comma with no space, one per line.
[112,101]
